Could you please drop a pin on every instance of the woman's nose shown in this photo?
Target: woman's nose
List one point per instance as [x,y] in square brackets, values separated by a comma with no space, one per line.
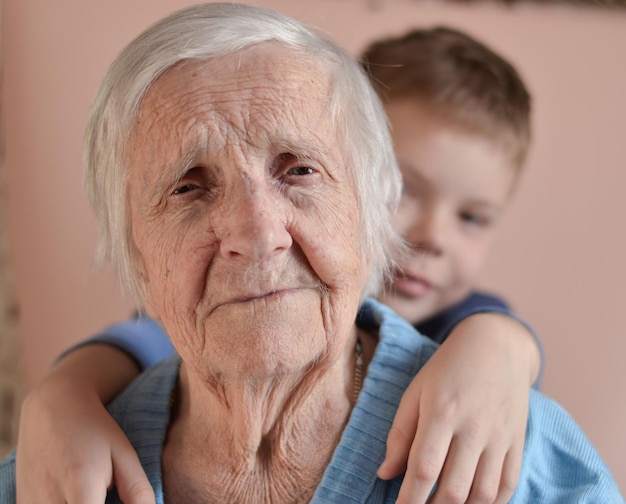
[253,224]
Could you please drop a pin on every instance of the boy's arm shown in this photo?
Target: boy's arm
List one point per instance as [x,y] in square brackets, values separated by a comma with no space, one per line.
[462,421]
[141,338]
[479,302]
[69,448]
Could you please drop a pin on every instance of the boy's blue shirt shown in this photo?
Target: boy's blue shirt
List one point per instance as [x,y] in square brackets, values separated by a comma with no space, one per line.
[439,326]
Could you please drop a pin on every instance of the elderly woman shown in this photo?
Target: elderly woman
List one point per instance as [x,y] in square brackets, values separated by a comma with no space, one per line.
[245,197]
[245,182]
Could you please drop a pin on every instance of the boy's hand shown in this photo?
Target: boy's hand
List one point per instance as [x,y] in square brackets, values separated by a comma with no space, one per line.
[70,450]
[462,421]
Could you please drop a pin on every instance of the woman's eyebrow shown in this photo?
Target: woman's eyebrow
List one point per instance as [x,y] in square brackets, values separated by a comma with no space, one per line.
[182,166]
[204,143]
[301,147]
[194,150]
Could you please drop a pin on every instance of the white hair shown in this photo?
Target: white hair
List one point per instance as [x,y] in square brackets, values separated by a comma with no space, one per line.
[216,29]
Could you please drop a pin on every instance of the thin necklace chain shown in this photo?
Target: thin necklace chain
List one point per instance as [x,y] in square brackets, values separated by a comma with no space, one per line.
[358,368]
[358,374]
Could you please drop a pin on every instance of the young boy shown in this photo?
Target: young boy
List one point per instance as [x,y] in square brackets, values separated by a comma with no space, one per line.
[460,122]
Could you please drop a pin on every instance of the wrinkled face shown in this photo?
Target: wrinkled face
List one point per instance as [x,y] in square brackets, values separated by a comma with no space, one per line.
[243,214]
[455,188]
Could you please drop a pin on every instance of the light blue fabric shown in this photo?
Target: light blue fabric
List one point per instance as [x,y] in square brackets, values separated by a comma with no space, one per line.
[559,463]
[141,338]
[7,479]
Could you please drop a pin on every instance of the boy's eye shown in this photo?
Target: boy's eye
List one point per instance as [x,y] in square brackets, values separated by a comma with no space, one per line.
[473,219]
[413,189]
[407,194]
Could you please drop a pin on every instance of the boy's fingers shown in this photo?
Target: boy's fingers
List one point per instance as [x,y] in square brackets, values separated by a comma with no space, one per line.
[426,460]
[86,496]
[486,485]
[401,435]
[82,491]
[458,472]
[510,474]
[131,481]
[137,492]
[53,495]
[398,447]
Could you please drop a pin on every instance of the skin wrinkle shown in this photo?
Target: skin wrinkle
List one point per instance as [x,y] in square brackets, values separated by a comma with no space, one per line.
[279,355]
[272,432]
[274,492]
[332,231]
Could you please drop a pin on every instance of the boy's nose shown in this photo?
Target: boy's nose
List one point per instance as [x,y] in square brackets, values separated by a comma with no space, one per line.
[430,232]
[252,224]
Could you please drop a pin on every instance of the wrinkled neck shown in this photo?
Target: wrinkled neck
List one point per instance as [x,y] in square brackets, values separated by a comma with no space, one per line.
[262,440]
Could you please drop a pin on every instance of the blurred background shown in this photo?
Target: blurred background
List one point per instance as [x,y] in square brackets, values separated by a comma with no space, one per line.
[560,256]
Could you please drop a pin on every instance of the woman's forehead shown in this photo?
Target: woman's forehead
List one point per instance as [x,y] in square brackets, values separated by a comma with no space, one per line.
[262,92]
[261,101]
[259,75]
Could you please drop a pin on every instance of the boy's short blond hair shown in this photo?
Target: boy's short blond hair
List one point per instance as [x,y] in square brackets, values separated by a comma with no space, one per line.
[462,79]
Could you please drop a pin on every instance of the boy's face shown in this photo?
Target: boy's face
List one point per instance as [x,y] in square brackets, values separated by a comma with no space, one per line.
[455,188]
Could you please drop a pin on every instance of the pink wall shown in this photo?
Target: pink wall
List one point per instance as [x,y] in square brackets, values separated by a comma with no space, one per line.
[560,256]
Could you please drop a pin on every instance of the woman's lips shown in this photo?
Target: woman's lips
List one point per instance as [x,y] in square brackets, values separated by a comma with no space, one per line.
[411,285]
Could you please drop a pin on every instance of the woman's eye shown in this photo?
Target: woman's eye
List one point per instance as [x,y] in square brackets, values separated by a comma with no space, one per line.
[301,170]
[186,188]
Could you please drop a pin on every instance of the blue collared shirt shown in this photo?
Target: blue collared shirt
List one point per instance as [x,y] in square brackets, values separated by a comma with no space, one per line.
[559,463]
